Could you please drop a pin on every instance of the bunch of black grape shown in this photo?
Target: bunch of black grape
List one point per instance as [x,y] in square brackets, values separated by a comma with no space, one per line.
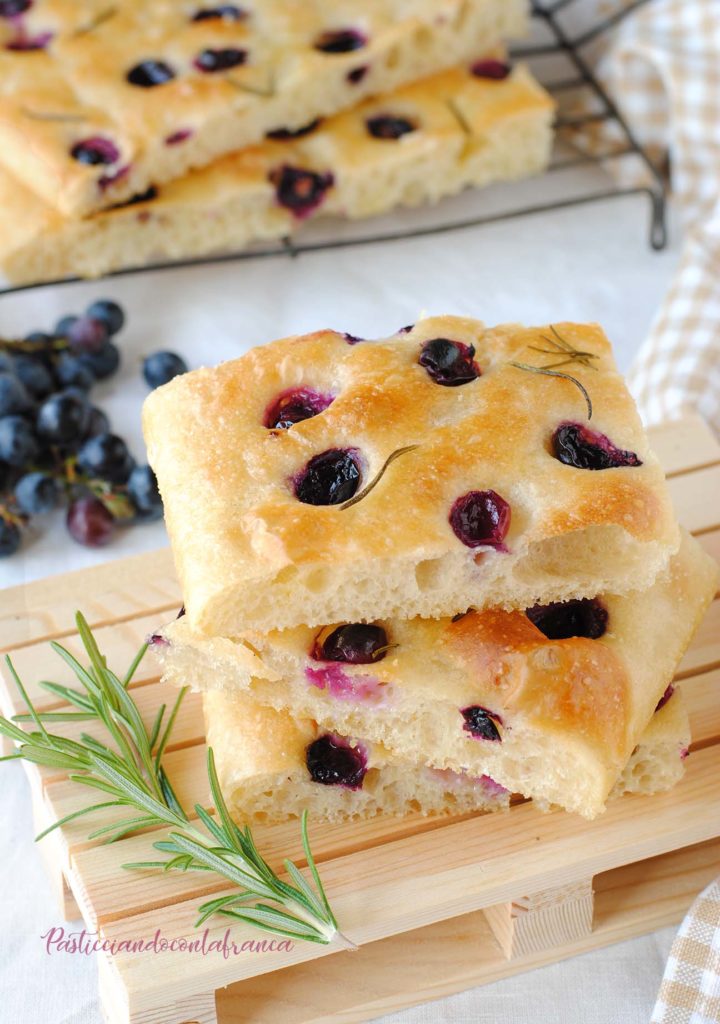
[56,447]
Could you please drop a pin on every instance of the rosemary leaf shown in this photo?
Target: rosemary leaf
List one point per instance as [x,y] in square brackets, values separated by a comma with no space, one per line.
[125,769]
[378,477]
[563,376]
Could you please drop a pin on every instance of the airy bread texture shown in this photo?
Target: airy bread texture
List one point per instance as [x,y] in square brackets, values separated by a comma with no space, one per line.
[568,713]
[220,83]
[261,759]
[250,555]
[658,761]
[467,131]
[260,756]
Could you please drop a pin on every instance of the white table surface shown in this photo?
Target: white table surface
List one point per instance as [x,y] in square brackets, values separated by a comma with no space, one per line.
[588,263]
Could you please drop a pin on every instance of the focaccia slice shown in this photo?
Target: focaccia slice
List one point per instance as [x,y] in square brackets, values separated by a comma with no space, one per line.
[99,104]
[322,478]
[272,767]
[549,703]
[465,127]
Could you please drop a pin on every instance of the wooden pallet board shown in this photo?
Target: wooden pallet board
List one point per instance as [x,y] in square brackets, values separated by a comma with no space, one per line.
[437,905]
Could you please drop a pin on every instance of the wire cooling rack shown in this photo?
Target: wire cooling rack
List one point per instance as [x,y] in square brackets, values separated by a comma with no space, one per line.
[558,59]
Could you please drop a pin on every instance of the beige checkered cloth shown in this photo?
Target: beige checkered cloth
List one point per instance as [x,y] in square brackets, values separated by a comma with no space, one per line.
[690,992]
[663,67]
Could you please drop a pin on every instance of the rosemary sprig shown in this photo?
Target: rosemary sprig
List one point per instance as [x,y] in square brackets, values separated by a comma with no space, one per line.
[378,477]
[560,345]
[38,115]
[564,376]
[99,20]
[128,771]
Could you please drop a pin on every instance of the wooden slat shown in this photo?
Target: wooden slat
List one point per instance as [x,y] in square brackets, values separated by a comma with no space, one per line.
[704,652]
[695,498]
[45,609]
[711,542]
[702,699]
[684,445]
[458,869]
[460,953]
[119,643]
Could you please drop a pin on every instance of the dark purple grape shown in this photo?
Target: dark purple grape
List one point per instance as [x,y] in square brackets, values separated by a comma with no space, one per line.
[35,376]
[63,418]
[449,363]
[40,338]
[87,334]
[95,151]
[481,519]
[561,620]
[492,68]
[144,494]
[299,190]
[226,12]
[18,443]
[283,134]
[72,372]
[669,691]
[161,367]
[577,445]
[389,126]
[63,326]
[211,60]
[27,44]
[13,8]
[329,478]
[90,523]
[332,761]
[14,397]
[481,723]
[10,537]
[357,643]
[37,493]
[294,406]
[356,75]
[150,73]
[108,312]
[104,363]
[106,457]
[98,422]
[343,40]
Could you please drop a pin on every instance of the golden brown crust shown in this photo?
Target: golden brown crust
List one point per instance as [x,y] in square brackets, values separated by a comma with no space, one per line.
[284,80]
[234,520]
[570,686]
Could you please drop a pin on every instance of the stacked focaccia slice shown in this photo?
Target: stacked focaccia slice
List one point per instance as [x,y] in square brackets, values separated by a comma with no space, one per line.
[272,766]
[465,127]
[425,548]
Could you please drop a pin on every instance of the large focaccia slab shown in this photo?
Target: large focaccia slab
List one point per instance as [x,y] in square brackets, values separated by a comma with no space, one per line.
[99,101]
[496,490]
[465,127]
[549,703]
